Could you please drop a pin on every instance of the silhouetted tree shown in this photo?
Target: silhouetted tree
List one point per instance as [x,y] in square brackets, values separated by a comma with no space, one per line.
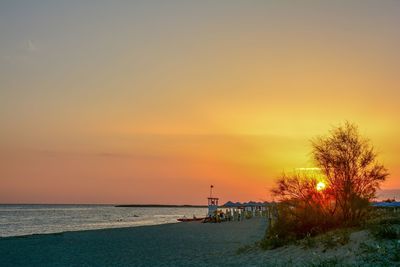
[353,174]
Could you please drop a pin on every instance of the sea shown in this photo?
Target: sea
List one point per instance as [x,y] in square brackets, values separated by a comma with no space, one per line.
[19,220]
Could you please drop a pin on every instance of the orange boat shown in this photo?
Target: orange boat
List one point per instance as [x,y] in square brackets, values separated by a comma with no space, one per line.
[184,219]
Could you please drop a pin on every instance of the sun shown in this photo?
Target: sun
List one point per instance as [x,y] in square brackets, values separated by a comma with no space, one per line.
[321,186]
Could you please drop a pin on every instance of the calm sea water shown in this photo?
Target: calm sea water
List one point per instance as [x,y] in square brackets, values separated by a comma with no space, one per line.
[16,220]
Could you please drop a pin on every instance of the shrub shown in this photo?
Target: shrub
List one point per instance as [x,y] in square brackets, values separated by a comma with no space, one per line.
[329,241]
[344,237]
[272,242]
[384,224]
[385,231]
[282,231]
[308,242]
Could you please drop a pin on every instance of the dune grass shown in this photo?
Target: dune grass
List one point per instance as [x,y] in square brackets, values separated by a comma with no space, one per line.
[375,242]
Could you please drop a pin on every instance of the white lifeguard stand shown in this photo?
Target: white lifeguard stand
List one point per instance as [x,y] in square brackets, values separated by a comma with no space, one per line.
[212,204]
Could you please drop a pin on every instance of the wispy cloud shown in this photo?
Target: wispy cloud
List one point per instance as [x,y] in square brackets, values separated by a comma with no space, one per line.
[30,46]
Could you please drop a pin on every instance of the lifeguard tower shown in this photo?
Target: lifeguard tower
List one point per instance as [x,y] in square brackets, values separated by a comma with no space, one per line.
[212,204]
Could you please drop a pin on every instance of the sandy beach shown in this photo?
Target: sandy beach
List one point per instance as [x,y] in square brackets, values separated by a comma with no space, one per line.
[179,244]
[189,244]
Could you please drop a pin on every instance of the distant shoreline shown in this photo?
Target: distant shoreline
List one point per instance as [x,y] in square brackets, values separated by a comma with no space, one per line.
[158,206]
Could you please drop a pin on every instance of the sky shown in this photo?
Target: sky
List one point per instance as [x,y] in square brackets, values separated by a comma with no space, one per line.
[154,101]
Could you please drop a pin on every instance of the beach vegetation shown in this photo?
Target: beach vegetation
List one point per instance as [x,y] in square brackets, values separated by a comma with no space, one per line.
[329,240]
[336,197]
[385,231]
[384,224]
[379,253]
[349,164]
[308,242]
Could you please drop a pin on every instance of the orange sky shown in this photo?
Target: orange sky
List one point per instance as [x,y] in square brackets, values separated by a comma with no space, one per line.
[115,102]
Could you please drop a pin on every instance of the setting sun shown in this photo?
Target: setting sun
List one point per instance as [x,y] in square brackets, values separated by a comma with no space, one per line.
[321,186]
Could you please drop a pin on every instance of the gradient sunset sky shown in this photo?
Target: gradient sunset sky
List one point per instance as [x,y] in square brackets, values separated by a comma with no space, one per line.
[153,101]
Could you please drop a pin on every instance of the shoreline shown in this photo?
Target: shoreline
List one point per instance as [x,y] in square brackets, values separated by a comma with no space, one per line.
[84,230]
[28,220]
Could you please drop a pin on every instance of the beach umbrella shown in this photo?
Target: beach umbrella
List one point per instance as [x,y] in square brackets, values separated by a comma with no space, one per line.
[229,204]
[386,204]
[252,204]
